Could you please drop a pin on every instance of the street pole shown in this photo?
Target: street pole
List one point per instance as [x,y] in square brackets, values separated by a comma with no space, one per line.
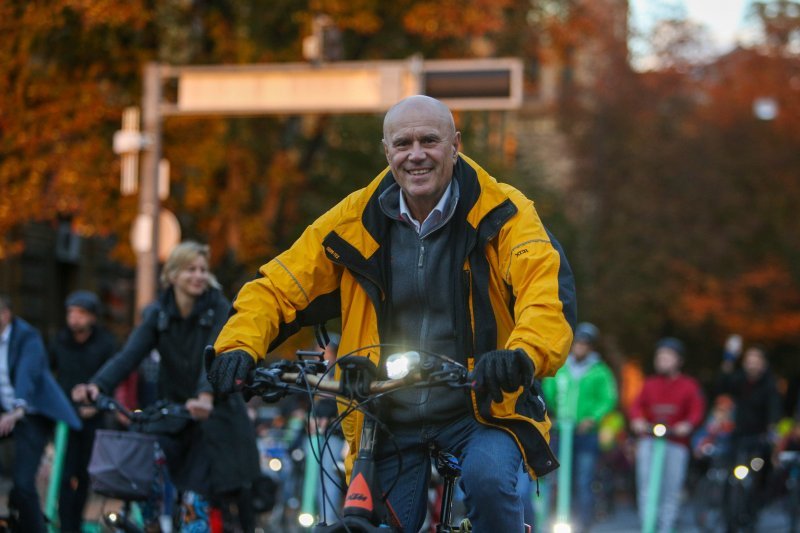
[149,204]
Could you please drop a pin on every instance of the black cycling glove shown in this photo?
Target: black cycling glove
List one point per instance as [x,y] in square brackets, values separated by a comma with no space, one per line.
[503,370]
[228,371]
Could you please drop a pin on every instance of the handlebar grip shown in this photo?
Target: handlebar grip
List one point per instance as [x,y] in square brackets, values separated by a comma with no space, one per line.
[104,402]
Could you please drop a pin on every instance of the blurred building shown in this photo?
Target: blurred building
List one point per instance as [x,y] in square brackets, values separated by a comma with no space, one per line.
[593,46]
[55,261]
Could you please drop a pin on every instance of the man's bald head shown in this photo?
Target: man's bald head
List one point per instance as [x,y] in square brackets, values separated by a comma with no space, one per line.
[423,106]
[421,146]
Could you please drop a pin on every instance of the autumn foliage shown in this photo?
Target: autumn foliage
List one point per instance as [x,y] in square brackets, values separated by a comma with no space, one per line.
[687,198]
[681,216]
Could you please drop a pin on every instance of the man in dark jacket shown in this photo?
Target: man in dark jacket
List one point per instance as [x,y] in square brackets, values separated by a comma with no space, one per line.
[30,401]
[78,351]
[754,391]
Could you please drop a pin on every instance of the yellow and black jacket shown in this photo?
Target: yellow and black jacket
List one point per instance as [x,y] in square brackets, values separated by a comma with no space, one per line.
[514,289]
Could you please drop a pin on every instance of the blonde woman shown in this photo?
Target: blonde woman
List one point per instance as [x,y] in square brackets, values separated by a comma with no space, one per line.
[186,317]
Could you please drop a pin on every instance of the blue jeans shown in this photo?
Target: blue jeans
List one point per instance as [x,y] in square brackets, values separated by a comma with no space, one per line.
[30,438]
[586,450]
[525,489]
[490,461]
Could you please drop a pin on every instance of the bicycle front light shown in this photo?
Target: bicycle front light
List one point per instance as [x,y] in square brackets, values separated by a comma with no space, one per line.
[399,365]
[659,430]
[306,519]
[275,464]
[562,527]
[740,472]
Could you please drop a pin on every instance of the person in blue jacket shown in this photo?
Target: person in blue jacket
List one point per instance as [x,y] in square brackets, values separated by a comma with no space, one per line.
[30,401]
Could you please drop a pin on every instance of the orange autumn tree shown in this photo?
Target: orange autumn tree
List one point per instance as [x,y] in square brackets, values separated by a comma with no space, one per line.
[246,185]
[675,168]
[762,304]
[65,70]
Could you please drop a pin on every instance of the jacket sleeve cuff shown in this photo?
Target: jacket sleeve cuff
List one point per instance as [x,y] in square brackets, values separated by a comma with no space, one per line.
[205,387]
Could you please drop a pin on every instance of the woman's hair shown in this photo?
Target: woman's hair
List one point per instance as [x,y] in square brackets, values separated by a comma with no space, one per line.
[182,255]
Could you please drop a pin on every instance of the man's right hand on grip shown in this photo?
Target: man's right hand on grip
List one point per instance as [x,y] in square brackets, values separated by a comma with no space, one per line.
[228,371]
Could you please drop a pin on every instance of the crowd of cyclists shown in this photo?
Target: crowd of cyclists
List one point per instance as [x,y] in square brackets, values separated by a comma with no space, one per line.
[714,436]
[433,255]
[605,415]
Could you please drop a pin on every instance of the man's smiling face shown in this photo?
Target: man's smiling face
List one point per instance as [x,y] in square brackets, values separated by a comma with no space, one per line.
[421,146]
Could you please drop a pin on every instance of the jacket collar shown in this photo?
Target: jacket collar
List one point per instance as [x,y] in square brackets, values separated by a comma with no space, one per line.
[18,328]
[359,238]
[479,195]
[203,302]
[393,205]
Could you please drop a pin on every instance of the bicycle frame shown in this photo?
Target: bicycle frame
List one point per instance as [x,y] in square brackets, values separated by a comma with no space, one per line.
[365,507]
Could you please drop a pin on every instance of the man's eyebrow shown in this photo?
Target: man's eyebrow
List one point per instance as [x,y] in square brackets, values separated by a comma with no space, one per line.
[426,137]
[431,137]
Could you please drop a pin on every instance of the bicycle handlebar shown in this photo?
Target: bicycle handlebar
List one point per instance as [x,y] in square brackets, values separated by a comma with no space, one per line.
[357,377]
[334,385]
[104,402]
[156,411]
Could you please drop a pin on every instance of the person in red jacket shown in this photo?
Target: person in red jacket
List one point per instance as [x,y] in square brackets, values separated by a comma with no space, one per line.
[675,400]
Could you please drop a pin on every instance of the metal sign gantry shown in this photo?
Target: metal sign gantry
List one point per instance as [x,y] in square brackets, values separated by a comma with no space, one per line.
[290,88]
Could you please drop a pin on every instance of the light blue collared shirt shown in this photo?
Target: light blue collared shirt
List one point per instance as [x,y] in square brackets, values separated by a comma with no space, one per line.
[6,387]
[434,219]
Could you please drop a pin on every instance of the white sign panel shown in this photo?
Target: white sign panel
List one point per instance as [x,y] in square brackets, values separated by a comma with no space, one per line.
[350,87]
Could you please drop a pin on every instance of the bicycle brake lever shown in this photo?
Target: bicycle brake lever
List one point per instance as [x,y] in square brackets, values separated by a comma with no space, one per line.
[454,375]
[267,384]
[267,378]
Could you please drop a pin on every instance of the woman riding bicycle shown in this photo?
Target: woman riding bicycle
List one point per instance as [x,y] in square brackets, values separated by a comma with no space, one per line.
[187,315]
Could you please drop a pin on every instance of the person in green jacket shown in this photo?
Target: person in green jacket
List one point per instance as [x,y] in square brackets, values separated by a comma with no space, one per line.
[582,392]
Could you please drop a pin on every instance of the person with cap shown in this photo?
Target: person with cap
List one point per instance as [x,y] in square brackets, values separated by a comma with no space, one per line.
[77,352]
[583,391]
[675,400]
[30,401]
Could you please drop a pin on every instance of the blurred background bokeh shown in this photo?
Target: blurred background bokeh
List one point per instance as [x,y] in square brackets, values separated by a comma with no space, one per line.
[669,168]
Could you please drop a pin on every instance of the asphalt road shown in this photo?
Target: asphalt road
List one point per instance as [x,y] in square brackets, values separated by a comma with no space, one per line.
[625,519]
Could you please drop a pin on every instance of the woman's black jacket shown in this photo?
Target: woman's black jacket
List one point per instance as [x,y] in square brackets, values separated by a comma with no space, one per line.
[223,454]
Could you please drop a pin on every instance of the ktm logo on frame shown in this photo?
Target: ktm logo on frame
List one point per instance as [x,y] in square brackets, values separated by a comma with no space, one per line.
[359,494]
